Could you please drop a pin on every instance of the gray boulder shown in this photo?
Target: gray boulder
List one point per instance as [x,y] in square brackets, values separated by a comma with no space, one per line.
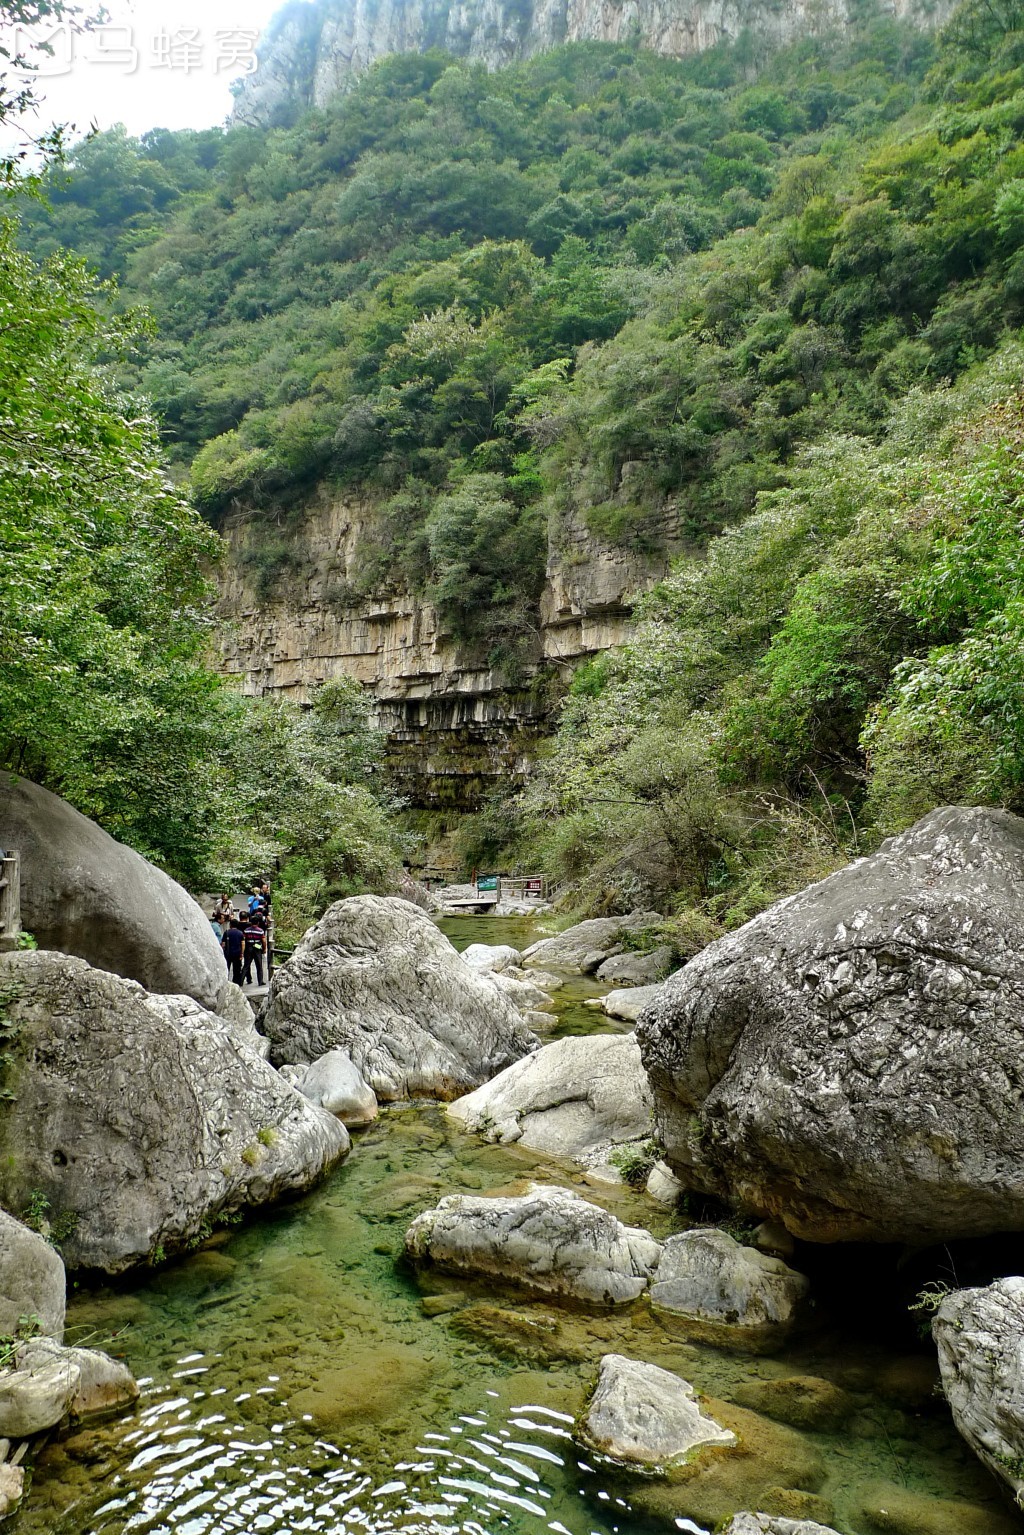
[32,1280]
[979,1335]
[636,969]
[491,956]
[334,1084]
[769,1524]
[548,1240]
[47,1383]
[583,947]
[644,1415]
[141,1118]
[376,979]
[848,1062]
[37,1392]
[85,894]
[569,1097]
[663,1185]
[730,1292]
[628,1003]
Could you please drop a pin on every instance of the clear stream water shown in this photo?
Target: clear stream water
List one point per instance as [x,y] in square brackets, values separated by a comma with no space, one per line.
[296,1376]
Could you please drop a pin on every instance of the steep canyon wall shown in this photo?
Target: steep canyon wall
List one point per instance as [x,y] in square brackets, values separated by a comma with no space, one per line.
[455,724]
[315,48]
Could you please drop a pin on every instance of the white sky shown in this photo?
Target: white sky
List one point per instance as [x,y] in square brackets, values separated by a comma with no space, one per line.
[158,64]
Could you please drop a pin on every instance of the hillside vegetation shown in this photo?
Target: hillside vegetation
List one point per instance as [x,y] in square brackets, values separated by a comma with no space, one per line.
[780,300]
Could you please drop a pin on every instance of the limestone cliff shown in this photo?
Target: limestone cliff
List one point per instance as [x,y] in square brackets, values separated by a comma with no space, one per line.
[454,723]
[314,48]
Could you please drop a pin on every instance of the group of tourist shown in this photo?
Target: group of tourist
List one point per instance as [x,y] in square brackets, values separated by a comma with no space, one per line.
[246,934]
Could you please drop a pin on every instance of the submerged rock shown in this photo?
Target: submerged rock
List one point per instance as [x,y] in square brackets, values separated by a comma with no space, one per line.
[803,1401]
[32,1280]
[979,1335]
[771,1467]
[569,1097]
[642,1414]
[769,1524]
[549,1240]
[85,894]
[376,979]
[848,1062]
[889,1509]
[583,947]
[727,1292]
[140,1118]
[334,1084]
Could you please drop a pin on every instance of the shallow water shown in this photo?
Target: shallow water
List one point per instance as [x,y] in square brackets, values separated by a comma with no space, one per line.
[297,1377]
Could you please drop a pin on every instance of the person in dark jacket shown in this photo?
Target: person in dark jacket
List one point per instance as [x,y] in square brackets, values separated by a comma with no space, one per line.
[234,949]
[255,945]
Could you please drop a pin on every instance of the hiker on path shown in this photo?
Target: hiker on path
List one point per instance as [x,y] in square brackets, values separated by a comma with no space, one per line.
[255,945]
[234,949]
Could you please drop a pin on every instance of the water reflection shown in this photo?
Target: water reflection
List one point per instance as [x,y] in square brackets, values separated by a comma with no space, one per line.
[200,1472]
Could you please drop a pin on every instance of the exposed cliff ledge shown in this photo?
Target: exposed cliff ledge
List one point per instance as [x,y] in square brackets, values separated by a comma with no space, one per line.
[314,48]
[454,723]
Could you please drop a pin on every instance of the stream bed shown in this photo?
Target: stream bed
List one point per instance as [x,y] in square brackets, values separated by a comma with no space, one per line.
[296,1376]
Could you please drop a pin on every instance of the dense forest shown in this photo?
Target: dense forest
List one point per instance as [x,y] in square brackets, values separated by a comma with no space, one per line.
[778,295]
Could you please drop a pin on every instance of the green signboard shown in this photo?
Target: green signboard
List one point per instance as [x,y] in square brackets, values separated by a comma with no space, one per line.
[487,882]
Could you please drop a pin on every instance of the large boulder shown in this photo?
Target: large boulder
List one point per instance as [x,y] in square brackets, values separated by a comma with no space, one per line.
[583,947]
[86,894]
[726,1292]
[548,1240]
[568,1098]
[980,1339]
[141,1118]
[377,979]
[647,1416]
[849,1061]
[32,1282]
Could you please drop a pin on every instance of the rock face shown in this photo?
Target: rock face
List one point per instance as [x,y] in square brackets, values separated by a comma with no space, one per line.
[646,1416]
[587,945]
[376,979]
[85,894]
[548,1240]
[311,52]
[455,724]
[570,1097]
[980,1338]
[849,1061]
[334,1084]
[31,1280]
[731,1292]
[140,1118]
